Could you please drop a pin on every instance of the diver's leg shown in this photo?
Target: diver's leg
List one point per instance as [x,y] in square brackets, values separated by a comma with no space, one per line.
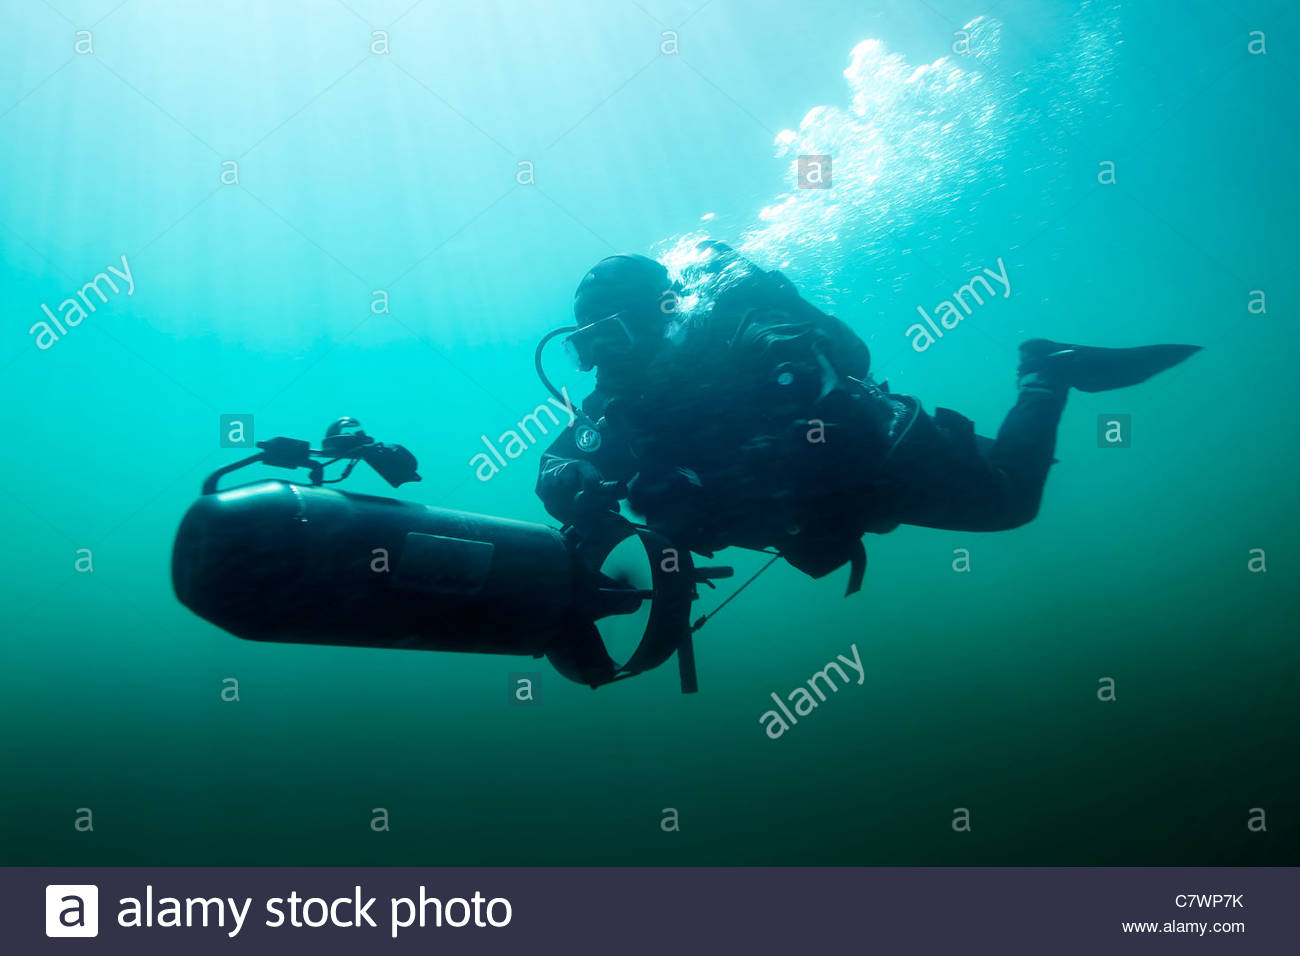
[993,484]
[1048,370]
[958,481]
[1021,456]
[943,475]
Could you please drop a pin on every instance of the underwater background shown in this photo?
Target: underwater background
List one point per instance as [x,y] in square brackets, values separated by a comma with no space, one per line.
[1134,167]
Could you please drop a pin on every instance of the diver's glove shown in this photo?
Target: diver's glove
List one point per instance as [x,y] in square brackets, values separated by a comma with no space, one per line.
[574,491]
[599,498]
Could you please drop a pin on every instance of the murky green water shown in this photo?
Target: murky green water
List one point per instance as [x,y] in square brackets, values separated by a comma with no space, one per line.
[400,171]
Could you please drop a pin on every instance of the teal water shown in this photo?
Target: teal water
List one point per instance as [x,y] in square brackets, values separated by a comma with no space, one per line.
[399,171]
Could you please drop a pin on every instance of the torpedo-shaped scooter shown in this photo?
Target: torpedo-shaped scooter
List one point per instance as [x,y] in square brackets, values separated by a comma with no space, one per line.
[283,561]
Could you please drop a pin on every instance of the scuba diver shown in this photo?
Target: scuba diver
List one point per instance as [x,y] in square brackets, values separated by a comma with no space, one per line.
[729,411]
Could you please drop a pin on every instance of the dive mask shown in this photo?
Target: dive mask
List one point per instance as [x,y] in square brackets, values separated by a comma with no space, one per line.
[600,341]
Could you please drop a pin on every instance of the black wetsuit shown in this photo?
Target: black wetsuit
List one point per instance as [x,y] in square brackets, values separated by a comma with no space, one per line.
[757,425]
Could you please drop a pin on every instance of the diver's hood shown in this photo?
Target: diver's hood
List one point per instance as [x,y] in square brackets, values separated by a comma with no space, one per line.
[625,283]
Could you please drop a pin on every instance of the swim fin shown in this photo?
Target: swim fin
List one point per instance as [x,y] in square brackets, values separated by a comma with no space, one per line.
[1092,369]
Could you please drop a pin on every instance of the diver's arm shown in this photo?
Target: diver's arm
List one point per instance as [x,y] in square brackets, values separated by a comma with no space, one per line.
[575,484]
[566,484]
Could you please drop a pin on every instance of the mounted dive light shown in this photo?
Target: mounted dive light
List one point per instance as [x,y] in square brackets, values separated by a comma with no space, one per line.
[283,561]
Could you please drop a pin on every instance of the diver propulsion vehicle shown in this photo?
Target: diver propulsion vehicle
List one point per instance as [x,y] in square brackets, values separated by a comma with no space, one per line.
[286,561]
